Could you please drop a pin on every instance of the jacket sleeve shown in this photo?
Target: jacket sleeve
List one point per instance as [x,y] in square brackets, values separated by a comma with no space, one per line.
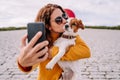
[26,69]
[79,51]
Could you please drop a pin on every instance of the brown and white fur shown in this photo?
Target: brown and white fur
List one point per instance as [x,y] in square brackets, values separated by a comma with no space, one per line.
[64,43]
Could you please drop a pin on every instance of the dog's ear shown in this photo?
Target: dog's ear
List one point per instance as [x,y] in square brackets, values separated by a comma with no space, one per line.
[81,24]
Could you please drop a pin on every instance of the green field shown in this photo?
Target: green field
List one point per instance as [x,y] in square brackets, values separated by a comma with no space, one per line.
[93,27]
[104,27]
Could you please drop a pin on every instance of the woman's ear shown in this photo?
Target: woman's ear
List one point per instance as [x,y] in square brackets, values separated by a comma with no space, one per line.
[49,28]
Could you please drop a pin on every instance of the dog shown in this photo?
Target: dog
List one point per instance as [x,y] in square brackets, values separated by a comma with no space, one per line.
[64,43]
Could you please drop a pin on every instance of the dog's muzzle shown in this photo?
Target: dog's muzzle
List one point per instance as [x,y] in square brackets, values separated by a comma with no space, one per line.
[66,27]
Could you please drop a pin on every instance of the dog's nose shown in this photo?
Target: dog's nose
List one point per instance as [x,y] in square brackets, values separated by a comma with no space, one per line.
[66,26]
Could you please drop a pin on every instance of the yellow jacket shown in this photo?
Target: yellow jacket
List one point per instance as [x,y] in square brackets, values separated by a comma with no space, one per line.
[79,51]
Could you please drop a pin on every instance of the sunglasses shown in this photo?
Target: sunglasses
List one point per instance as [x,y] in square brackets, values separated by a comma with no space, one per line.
[59,19]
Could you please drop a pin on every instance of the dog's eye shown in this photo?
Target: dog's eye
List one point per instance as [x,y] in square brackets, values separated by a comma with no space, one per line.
[73,24]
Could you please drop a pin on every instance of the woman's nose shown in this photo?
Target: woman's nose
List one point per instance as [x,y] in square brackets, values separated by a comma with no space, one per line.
[64,21]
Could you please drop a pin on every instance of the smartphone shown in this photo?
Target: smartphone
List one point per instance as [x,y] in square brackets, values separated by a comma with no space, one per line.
[33,28]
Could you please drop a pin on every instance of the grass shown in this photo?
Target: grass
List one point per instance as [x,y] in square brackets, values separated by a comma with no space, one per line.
[104,27]
[12,28]
[92,27]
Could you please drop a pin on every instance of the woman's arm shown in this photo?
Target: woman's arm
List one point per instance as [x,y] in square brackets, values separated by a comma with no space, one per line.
[26,69]
[79,51]
[30,54]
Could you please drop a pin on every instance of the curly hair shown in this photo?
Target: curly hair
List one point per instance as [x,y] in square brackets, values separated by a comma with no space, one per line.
[44,16]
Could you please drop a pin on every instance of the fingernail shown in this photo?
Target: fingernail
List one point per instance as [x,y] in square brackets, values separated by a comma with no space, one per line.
[39,32]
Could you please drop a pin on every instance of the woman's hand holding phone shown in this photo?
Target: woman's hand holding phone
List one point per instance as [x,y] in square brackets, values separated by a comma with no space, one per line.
[30,53]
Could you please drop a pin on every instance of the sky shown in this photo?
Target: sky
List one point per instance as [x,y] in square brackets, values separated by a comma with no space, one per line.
[92,12]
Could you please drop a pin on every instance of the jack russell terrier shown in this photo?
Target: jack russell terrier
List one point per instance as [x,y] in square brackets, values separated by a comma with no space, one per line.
[64,43]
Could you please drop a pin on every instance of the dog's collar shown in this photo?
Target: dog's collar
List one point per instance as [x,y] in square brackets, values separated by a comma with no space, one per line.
[68,36]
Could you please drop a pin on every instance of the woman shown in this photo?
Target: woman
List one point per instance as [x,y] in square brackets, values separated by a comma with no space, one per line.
[54,18]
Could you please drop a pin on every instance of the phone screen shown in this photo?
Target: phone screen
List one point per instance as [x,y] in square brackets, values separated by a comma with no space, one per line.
[35,27]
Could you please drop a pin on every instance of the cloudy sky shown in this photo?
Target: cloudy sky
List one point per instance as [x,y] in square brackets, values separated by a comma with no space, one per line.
[92,12]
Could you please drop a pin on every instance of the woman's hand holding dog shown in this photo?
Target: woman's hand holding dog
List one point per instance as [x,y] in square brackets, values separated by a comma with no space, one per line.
[29,54]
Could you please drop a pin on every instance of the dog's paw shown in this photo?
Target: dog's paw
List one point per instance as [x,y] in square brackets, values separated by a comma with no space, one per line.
[49,66]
